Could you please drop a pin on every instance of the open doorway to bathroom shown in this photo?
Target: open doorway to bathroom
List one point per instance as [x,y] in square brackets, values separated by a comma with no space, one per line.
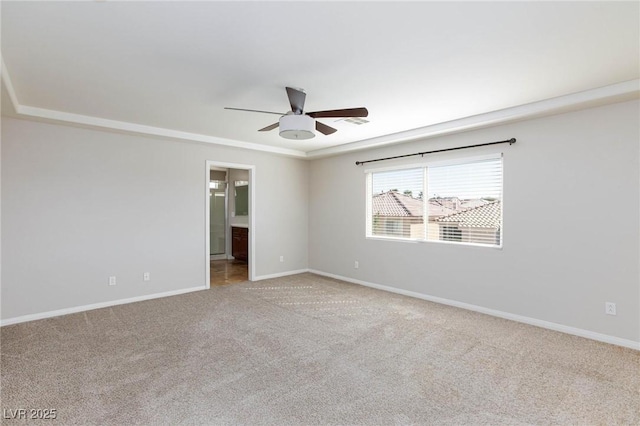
[229,223]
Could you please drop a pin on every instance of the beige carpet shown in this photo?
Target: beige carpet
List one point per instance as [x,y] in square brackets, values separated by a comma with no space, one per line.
[310,350]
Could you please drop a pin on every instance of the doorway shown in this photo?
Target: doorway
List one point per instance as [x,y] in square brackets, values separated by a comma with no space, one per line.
[230,223]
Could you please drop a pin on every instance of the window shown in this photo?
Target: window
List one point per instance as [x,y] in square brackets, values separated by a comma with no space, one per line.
[393,227]
[396,204]
[456,202]
[450,233]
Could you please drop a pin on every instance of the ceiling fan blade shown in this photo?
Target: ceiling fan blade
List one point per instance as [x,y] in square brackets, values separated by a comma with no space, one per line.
[271,127]
[324,129]
[296,99]
[254,110]
[349,112]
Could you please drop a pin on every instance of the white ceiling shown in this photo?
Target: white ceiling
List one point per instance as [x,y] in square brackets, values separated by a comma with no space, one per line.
[174,66]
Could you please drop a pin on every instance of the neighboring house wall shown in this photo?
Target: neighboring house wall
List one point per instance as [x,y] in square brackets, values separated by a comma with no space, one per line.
[433,230]
[405,226]
[466,234]
[560,268]
[80,205]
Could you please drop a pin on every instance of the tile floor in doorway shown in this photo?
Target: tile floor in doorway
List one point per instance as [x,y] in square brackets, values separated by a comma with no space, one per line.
[225,272]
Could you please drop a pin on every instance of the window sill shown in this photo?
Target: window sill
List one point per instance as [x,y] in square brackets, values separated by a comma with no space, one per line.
[447,243]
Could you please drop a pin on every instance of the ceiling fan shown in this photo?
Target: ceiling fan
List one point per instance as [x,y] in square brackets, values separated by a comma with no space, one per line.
[297,124]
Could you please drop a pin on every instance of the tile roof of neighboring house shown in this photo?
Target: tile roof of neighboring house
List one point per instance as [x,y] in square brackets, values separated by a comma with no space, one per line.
[484,216]
[395,204]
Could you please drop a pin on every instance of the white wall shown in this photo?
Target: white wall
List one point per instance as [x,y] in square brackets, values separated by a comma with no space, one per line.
[79,205]
[571,224]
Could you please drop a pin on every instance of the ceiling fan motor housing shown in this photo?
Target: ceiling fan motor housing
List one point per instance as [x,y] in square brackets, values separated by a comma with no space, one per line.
[297,127]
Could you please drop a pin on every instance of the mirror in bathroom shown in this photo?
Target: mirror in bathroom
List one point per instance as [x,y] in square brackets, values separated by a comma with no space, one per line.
[241,188]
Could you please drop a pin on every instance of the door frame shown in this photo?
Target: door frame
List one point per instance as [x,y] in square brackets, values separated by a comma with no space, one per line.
[252,214]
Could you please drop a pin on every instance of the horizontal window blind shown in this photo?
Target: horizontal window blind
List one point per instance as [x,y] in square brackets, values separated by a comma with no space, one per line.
[397,208]
[467,202]
[456,203]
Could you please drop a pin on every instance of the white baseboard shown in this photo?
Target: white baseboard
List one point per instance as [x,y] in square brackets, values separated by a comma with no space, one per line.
[506,315]
[280,274]
[75,309]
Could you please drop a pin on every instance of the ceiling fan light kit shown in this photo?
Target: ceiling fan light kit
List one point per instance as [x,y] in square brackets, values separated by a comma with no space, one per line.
[297,127]
[300,125]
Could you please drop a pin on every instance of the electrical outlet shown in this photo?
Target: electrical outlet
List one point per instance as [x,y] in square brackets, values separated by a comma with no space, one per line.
[610,308]
[356,265]
[146,276]
[112,280]
[281,258]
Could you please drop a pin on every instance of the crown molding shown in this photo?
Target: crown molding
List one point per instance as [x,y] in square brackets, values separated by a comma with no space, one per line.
[6,79]
[125,126]
[619,92]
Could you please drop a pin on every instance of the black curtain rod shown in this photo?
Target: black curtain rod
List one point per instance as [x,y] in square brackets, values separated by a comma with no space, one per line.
[509,141]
